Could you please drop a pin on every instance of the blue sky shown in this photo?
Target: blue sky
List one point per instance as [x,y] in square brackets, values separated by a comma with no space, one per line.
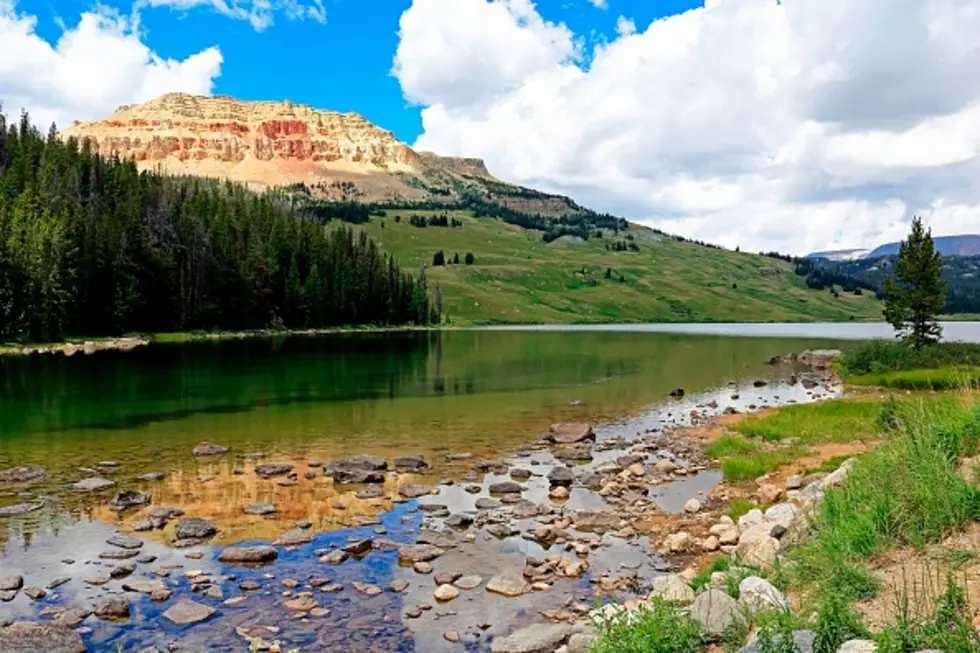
[343,64]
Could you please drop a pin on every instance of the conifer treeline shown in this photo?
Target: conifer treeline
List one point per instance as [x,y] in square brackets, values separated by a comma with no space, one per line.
[90,246]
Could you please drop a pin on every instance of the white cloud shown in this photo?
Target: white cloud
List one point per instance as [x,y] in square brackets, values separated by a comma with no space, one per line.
[600,4]
[94,67]
[794,125]
[260,13]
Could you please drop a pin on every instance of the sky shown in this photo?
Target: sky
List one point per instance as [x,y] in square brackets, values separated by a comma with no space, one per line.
[790,125]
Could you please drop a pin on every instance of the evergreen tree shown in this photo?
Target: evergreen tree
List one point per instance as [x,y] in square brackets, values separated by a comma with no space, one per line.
[470,259]
[438,259]
[917,293]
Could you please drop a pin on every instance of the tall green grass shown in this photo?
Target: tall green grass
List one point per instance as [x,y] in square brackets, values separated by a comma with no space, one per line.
[880,356]
[658,628]
[907,491]
[840,420]
[943,378]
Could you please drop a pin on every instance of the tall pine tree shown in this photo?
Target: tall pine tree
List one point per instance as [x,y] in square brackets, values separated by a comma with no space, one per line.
[917,293]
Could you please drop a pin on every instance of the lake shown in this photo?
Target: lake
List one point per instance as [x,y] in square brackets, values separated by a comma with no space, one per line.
[306,401]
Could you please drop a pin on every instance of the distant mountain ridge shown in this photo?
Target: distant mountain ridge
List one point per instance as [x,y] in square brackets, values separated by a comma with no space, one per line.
[962,245]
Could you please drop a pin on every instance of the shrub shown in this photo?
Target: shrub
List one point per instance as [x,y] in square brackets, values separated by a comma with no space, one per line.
[470,259]
[885,356]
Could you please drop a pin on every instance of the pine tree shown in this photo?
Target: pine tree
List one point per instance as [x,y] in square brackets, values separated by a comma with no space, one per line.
[917,293]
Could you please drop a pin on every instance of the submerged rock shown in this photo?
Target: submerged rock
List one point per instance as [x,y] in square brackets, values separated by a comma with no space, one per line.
[570,433]
[508,584]
[208,449]
[19,509]
[21,474]
[259,509]
[124,541]
[188,612]
[128,499]
[194,528]
[113,608]
[294,537]
[419,553]
[269,470]
[415,490]
[30,637]
[93,484]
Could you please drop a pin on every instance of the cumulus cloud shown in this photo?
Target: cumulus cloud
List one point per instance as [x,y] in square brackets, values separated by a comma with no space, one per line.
[794,125]
[91,69]
[260,13]
[600,4]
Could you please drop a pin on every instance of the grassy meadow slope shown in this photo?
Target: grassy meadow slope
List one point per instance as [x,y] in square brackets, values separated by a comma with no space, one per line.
[517,278]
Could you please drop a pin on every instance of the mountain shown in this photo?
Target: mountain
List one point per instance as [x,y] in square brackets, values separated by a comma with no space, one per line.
[537,257]
[337,156]
[965,245]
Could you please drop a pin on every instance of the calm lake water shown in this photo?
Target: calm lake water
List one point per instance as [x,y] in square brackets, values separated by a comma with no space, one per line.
[306,401]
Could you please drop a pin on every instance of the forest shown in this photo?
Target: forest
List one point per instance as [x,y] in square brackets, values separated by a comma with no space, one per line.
[90,246]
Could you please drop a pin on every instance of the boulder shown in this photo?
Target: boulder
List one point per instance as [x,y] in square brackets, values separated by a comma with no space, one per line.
[505,487]
[672,588]
[194,528]
[837,477]
[208,449]
[858,646]
[561,476]
[30,637]
[270,470]
[128,499]
[759,595]
[357,469]
[794,482]
[419,553]
[536,638]
[21,474]
[259,509]
[752,518]
[570,433]
[782,513]
[187,612]
[759,551]
[508,584]
[250,555]
[717,612]
[93,484]
[413,463]
[113,608]
[678,542]
[803,642]
[124,541]
[415,490]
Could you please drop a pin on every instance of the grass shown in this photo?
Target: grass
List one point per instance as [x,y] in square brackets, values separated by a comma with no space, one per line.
[907,491]
[948,628]
[517,278]
[739,506]
[743,459]
[944,378]
[840,420]
[659,628]
[880,356]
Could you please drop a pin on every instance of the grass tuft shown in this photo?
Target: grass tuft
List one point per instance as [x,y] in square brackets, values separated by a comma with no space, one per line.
[658,628]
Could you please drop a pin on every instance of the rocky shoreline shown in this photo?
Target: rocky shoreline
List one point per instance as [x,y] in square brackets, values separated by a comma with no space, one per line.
[583,514]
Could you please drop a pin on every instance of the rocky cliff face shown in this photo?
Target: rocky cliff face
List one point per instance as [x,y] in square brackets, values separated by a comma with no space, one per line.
[267,143]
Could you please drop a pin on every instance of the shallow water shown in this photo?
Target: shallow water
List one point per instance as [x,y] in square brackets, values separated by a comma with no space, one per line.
[303,401]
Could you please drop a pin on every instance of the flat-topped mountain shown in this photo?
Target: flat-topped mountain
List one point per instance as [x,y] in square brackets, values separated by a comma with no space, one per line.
[340,156]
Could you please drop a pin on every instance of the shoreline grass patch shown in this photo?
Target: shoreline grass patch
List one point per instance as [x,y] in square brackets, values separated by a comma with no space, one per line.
[657,628]
[879,356]
[838,420]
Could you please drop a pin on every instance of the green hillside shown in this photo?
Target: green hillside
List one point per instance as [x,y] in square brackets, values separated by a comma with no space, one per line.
[518,278]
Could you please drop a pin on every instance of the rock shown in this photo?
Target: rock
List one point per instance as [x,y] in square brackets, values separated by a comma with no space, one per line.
[451,636]
[570,433]
[525,509]
[837,477]
[187,612]
[769,493]
[30,637]
[678,542]
[357,469]
[794,482]
[124,541]
[98,579]
[152,477]
[113,608]
[35,593]
[414,463]
[194,528]
[124,554]
[144,586]
[460,520]
[561,476]
[484,503]
[536,638]
[468,582]
[334,557]
[208,449]
[160,515]
[259,509]
[759,595]
[519,474]
[502,530]
[665,466]
[21,474]
[858,646]
[359,547]
[93,484]
[71,618]
[581,642]
[559,493]
[19,509]
[270,470]
[128,499]
[301,604]
[728,537]
[710,543]
[676,393]
[782,513]
[446,593]
[248,555]
[759,551]
[508,584]
[716,611]
[142,525]
[58,582]
[752,518]
[11,582]
[594,520]
[419,553]
[422,568]
[123,570]
[370,492]
[672,588]
[505,487]
[367,589]
[803,641]
[294,537]
[692,506]
[415,490]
